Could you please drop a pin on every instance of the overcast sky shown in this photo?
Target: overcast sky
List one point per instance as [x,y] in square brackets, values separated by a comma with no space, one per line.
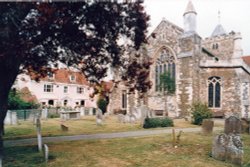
[234,15]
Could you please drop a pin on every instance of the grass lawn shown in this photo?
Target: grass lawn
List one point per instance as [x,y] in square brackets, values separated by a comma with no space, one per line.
[154,151]
[86,125]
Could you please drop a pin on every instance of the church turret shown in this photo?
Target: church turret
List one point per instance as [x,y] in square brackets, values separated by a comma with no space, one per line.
[238,52]
[190,18]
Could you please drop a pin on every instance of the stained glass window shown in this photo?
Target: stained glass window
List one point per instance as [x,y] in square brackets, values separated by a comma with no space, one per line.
[214,92]
[165,63]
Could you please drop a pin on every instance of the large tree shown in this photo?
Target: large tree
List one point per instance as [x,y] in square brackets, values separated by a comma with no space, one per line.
[34,36]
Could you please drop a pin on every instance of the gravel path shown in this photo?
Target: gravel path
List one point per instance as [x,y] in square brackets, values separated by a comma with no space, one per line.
[29,141]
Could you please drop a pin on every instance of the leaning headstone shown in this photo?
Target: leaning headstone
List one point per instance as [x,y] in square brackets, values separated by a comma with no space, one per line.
[228,148]
[46,153]
[232,125]
[207,126]
[99,117]
[39,136]
[64,128]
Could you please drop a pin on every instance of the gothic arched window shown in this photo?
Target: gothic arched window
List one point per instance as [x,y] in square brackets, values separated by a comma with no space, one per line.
[165,63]
[214,92]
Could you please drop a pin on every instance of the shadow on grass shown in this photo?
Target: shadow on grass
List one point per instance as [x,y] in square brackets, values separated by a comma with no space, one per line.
[24,156]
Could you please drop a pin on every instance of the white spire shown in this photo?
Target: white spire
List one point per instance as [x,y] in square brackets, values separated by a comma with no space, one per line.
[190,8]
[189,17]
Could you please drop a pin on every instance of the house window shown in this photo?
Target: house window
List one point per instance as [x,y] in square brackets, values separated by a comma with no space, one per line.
[124,99]
[65,89]
[48,88]
[82,102]
[65,102]
[51,102]
[165,63]
[214,92]
[79,90]
[72,78]
[50,75]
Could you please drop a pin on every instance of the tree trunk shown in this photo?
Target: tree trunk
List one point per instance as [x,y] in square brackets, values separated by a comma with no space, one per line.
[165,114]
[8,73]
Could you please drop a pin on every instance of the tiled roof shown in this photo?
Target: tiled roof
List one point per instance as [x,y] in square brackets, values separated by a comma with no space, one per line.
[246,59]
[63,76]
[108,85]
[27,96]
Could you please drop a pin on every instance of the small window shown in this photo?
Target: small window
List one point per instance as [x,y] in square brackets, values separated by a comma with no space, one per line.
[215,46]
[80,90]
[48,88]
[124,99]
[82,103]
[51,102]
[50,75]
[65,89]
[65,102]
[72,78]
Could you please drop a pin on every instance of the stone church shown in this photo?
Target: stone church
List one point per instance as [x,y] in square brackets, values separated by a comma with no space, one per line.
[211,70]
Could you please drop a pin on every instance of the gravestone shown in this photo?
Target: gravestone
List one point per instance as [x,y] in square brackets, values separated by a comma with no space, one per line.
[228,148]
[99,117]
[245,125]
[82,111]
[10,118]
[44,113]
[232,125]
[207,126]
[64,128]
[39,136]
[46,153]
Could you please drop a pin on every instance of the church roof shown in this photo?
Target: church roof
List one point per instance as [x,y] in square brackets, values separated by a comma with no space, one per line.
[190,8]
[246,59]
[219,30]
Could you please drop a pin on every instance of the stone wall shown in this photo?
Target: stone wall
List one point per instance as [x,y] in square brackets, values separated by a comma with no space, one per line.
[188,79]
[225,46]
[115,102]
[230,88]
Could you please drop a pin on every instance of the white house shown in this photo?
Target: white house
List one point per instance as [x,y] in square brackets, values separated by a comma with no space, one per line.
[62,88]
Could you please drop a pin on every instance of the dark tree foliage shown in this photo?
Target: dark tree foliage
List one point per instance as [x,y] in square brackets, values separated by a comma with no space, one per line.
[35,35]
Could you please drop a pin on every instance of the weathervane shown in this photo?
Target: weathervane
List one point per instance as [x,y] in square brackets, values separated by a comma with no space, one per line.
[219,16]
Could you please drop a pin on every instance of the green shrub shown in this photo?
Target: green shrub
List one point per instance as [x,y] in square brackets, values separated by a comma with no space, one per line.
[53,115]
[199,112]
[157,122]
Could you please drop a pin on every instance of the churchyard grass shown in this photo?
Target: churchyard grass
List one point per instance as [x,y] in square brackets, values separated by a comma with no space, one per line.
[86,125]
[194,150]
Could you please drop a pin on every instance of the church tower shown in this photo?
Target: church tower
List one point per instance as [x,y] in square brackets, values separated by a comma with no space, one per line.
[188,60]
